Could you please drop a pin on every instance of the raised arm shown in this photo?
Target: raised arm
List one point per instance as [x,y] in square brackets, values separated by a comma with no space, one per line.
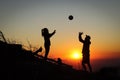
[53,33]
[80,37]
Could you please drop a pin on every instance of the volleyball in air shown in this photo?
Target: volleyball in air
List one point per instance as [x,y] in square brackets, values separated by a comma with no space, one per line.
[70,17]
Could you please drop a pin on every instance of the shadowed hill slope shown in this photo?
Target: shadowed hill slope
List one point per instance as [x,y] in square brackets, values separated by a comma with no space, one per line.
[20,64]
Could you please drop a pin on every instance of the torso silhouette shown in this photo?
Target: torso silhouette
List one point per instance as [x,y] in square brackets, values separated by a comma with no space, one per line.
[47,35]
[86,46]
[47,39]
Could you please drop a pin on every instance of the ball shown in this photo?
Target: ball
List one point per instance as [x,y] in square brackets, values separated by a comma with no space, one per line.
[70,17]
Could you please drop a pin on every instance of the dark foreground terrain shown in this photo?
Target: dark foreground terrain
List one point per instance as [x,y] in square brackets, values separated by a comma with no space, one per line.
[20,64]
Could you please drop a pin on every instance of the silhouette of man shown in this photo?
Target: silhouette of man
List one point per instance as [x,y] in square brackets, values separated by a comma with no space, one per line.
[47,36]
[85,51]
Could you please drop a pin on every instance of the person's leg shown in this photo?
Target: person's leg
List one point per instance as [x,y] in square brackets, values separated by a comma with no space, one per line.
[89,66]
[84,67]
[83,63]
[47,48]
[88,63]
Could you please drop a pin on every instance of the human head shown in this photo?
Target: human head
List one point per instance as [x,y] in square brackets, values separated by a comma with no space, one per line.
[44,31]
[87,37]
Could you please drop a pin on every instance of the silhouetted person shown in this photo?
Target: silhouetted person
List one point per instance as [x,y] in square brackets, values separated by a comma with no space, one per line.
[85,51]
[47,36]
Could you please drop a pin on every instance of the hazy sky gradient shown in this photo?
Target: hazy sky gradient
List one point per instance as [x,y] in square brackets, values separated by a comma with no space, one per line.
[22,20]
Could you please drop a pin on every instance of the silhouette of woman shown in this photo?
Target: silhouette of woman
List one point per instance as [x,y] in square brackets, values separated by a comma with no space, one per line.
[85,51]
[47,35]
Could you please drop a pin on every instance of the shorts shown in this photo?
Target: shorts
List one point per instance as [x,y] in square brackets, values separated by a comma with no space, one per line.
[86,59]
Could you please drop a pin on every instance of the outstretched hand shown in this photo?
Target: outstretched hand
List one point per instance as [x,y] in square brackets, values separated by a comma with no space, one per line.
[54,31]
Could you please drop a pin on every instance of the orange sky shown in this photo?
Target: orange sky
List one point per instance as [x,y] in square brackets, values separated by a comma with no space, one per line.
[22,21]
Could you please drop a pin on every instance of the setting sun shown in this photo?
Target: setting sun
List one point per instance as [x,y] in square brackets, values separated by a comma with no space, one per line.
[76,55]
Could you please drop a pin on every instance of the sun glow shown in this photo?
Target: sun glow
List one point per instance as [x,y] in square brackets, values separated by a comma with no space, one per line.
[76,55]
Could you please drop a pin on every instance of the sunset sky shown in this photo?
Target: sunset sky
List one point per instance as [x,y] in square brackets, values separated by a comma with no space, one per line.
[22,21]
